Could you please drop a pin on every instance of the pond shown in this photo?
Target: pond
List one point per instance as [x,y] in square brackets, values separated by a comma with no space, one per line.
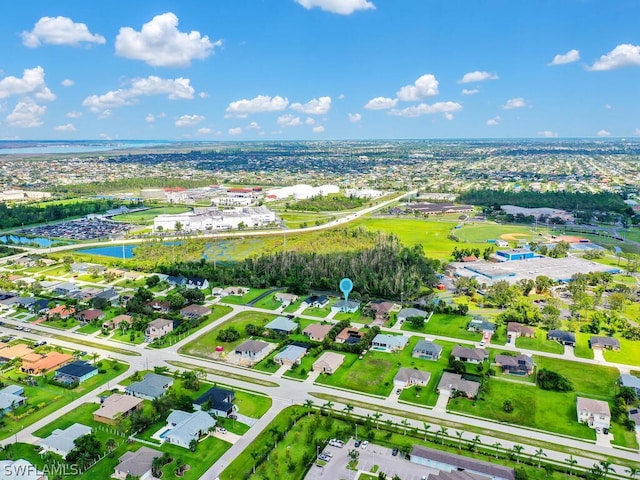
[117,251]
[41,241]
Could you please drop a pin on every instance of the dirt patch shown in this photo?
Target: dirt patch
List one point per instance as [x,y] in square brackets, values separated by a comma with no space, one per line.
[570,239]
[513,236]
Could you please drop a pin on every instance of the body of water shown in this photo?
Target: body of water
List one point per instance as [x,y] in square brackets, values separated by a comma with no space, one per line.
[41,241]
[81,146]
[115,251]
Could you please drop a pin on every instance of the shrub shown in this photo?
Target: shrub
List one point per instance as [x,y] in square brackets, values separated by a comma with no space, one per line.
[548,380]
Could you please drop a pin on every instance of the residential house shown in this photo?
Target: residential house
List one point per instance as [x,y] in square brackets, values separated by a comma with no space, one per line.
[282,325]
[285,298]
[471,355]
[117,406]
[136,464]
[449,463]
[317,332]
[40,306]
[453,382]
[252,351]
[11,397]
[349,335]
[185,427]
[19,350]
[8,300]
[62,441]
[150,387]
[90,315]
[328,362]
[36,364]
[160,306]
[345,306]
[481,325]
[595,413]
[219,400]
[515,330]
[634,416]
[110,295]
[85,294]
[316,301]
[381,310]
[77,371]
[290,355]
[406,313]
[61,311]
[563,337]
[389,343]
[630,381]
[84,268]
[25,302]
[199,283]
[604,343]
[20,470]
[236,291]
[195,311]
[158,328]
[518,365]
[178,281]
[407,377]
[66,289]
[427,350]
[115,322]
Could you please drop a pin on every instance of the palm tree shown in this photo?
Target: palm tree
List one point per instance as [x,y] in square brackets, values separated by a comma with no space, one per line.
[475,442]
[443,431]
[377,416]
[459,434]
[110,445]
[516,451]
[572,463]
[606,468]
[389,423]
[309,404]
[497,446]
[426,427]
[405,424]
[329,405]
[633,472]
[539,454]
[179,465]
[348,408]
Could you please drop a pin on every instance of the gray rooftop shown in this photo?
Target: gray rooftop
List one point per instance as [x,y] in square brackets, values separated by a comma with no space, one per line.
[152,385]
[137,463]
[464,463]
[427,346]
[282,324]
[411,312]
[187,425]
[63,440]
[291,352]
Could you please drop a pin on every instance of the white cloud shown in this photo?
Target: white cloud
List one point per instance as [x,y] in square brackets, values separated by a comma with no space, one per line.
[203,131]
[31,83]
[341,96]
[563,58]
[318,129]
[477,76]
[259,104]
[74,114]
[235,131]
[492,122]
[446,108]
[423,87]
[254,126]
[343,7]
[203,95]
[355,117]
[59,31]
[624,55]
[637,132]
[607,106]
[189,120]
[161,44]
[547,134]
[310,121]
[603,133]
[26,114]
[381,103]
[514,103]
[65,128]
[470,91]
[174,89]
[150,118]
[289,120]
[316,106]
[67,82]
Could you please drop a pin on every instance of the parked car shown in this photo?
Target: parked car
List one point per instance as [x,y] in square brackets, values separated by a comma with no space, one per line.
[334,442]
[39,343]
[364,444]
[222,430]
[398,391]
[357,443]
[394,452]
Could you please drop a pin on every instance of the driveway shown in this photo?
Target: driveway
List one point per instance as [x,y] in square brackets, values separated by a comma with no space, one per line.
[443,399]
[568,351]
[598,355]
[232,438]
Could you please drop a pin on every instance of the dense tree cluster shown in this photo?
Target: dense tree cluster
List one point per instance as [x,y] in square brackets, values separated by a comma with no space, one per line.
[19,215]
[328,203]
[549,380]
[572,201]
[129,184]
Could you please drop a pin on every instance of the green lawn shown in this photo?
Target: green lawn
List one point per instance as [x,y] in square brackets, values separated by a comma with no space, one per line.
[236,300]
[61,324]
[269,302]
[138,337]
[294,306]
[146,217]
[205,345]
[319,312]
[629,353]
[89,328]
[217,312]
[582,348]
[44,399]
[481,232]
[252,405]
[448,325]
[539,343]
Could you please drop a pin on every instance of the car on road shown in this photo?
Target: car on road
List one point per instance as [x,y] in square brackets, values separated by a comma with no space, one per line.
[394,452]
[357,443]
[19,327]
[39,343]
[27,330]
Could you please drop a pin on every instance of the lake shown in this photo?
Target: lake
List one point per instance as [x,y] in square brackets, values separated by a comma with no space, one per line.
[41,241]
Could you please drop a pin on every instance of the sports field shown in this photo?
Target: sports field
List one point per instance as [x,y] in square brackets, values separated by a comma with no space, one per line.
[481,232]
[145,217]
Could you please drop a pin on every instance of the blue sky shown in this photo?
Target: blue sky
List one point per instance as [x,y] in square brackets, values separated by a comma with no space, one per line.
[319,69]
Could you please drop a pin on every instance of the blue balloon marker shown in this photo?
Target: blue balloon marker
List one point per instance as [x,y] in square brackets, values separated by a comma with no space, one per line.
[346,285]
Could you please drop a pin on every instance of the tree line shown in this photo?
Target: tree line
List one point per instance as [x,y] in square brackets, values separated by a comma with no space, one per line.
[18,215]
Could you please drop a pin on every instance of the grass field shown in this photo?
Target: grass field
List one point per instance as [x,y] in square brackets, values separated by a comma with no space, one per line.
[145,217]
[217,312]
[539,343]
[448,325]
[481,232]
[251,295]
[629,353]
[205,345]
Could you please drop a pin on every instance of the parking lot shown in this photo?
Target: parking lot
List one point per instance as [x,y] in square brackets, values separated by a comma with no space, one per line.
[82,229]
[336,468]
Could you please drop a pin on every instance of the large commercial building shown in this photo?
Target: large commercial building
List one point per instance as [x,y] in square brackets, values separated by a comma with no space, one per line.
[211,219]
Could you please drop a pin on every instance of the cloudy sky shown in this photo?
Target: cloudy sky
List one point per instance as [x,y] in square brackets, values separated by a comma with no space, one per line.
[319,69]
